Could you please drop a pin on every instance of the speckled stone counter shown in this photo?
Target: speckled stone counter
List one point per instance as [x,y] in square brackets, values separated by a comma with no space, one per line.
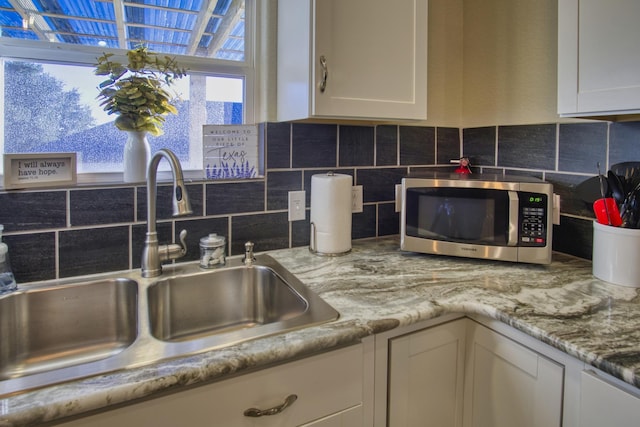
[376,288]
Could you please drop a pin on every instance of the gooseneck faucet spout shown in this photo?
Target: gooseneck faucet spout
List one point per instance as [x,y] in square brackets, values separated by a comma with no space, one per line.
[153,254]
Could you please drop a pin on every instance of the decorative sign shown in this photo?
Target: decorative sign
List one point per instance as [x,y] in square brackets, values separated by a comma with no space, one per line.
[28,170]
[230,151]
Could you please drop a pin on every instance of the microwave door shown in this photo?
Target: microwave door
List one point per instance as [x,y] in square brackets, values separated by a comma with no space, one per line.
[514,207]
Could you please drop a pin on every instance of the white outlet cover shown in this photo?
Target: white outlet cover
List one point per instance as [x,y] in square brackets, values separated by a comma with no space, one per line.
[297,209]
[356,199]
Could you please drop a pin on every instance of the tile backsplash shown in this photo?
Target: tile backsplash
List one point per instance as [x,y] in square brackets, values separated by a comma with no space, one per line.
[84,230]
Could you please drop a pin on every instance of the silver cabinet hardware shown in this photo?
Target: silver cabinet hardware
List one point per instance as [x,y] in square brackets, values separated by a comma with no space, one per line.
[325,73]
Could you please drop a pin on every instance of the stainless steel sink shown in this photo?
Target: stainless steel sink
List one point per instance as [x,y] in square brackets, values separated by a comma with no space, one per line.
[48,328]
[233,303]
[51,333]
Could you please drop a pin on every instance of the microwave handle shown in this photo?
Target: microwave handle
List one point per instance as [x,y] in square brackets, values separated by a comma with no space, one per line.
[514,205]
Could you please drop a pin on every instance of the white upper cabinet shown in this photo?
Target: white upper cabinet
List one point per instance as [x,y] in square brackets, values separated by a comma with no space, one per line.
[598,57]
[360,59]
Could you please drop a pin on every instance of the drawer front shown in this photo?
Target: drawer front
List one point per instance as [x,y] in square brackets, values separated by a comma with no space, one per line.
[324,384]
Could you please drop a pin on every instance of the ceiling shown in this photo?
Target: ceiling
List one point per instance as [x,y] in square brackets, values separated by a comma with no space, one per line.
[205,28]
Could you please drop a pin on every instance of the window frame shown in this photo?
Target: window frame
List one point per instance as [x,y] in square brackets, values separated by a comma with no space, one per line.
[68,54]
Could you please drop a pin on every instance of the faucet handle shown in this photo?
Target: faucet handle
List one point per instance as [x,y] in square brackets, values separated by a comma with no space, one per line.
[183,242]
[174,250]
[248,254]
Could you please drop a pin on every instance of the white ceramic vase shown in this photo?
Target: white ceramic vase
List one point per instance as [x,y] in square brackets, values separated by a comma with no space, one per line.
[136,156]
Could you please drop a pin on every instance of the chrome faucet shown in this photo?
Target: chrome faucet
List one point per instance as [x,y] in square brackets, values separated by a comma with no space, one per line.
[153,254]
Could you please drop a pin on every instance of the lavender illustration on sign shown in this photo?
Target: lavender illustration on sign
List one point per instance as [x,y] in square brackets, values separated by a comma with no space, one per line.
[230,151]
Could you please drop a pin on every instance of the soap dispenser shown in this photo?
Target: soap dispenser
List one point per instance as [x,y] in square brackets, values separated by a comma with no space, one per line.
[7,281]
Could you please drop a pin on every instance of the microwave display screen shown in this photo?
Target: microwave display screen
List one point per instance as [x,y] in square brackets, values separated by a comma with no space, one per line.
[468,215]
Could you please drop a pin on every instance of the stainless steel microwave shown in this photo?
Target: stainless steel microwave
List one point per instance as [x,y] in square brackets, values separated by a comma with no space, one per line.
[497,217]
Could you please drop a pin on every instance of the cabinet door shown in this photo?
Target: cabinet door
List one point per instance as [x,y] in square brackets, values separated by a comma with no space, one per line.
[598,57]
[324,385]
[508,384]
[426,374]
[604,404]
[352,59]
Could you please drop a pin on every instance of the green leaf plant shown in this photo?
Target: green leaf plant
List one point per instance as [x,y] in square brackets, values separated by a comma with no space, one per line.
[138,92]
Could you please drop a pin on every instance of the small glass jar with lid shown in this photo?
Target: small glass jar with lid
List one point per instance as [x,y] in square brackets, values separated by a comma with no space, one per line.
[212,251]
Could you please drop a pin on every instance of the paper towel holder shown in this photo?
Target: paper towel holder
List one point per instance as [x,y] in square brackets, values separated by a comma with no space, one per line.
[313,245]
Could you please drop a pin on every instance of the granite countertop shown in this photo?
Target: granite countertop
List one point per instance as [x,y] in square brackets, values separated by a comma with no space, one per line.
[376,288]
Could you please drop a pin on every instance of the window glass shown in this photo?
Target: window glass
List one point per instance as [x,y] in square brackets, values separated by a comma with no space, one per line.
[48,91]
[53,108]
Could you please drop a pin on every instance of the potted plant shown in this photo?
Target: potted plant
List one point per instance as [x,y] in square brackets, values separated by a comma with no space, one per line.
[139,94]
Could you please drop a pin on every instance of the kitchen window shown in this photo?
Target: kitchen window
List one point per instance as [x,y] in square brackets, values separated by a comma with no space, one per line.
[47,54]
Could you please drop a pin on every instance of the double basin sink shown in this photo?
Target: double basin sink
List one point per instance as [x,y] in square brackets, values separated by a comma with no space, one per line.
[58,332]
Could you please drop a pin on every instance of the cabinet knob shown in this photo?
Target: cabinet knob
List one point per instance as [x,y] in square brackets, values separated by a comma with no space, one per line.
[325,73]
[254,412]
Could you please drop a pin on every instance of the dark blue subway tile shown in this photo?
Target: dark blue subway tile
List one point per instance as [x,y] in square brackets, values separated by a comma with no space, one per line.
[378,185]
[101,206]
[235,197]
[138,237]
[386,145]
[572,200]
[278,144]
[278,186]
[33,210]
[301,231]
[388,219]
[356,146]
[574,237]
[164,201]
[417,145]
[581,146]
[527,146]
[267,231]
[314,145]
[429,169]
[479,145]
[624,143]
[448,145]
[93,251]
[363,224]
[32,256]
[197,229]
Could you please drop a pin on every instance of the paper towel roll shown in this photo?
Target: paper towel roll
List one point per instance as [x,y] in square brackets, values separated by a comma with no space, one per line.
[330,213]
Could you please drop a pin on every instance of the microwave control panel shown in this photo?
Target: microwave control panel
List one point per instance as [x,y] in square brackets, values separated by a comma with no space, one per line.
[532,222]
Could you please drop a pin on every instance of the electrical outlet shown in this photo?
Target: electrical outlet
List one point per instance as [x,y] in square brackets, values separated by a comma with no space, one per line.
[398,197]
[297,210]
[356,199]
[556,209]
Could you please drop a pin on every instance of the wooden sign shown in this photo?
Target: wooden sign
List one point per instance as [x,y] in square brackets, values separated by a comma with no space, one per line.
[28,170]
[230,151]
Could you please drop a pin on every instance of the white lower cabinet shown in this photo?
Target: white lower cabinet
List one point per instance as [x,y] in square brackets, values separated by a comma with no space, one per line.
[426,374]
[463,374]
[602,403]
[452,372]
[347,418]
[329,390]
[508,384]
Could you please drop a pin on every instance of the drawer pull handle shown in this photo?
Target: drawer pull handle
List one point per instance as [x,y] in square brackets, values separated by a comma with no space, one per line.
[254,412]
